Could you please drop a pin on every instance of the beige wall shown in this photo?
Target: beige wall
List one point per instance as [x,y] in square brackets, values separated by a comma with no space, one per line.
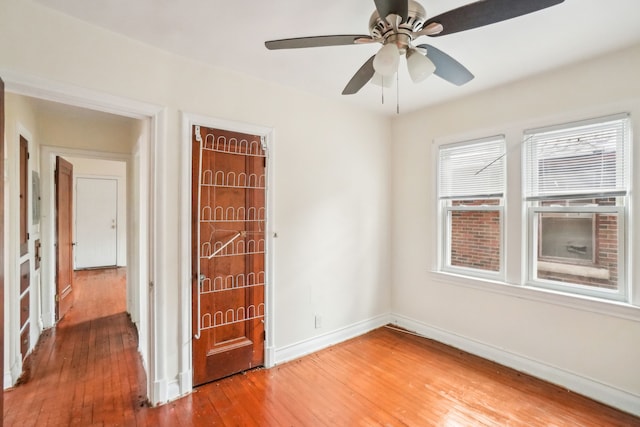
[572,341]
[85,130]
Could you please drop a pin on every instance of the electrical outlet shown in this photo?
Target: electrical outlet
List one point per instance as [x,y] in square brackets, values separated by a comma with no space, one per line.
[318,321]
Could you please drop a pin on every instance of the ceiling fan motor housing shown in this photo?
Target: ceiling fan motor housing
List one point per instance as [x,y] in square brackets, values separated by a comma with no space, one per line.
[402,33]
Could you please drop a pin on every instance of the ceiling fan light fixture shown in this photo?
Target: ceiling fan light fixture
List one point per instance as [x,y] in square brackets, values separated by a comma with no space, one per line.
[383,81]
[420,67]
[387,60]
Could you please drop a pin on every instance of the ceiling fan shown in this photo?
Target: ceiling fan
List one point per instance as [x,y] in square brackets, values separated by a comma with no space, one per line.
[396,24]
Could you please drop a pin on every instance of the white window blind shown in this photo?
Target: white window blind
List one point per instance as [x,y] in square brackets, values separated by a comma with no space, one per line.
[472,169]
[585,159]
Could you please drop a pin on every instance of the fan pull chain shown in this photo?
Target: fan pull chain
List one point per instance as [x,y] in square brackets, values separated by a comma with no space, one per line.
[382,89]
[397,93]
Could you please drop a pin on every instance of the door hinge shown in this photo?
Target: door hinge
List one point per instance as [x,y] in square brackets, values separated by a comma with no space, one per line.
[57,298]
[28,155]
[264,335]
[28,236]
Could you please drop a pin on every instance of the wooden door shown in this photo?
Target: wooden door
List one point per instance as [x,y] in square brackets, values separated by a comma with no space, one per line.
[228,247]
[96,222]
[1,240]
[64,236]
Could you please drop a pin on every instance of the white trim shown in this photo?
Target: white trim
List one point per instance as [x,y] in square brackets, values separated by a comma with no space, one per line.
[270,297]
[593,389]
[185,380]
[173,390]
[13,258]
[16,371]
[159,392]
[166,391]
[47,221]
[533,264]
[311,345]
[37,87]
[185,328]
[7,380]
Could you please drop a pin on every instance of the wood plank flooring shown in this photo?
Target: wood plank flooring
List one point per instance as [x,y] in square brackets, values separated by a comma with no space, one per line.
[87,372]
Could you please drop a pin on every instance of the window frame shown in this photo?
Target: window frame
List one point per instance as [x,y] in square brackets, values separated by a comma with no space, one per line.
[446,264]
[619,294]
[532,209]
[446,209]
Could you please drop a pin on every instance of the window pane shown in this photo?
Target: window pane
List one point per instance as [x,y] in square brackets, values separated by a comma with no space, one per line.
[589,157]
[472,169]
[474,238]
[567,237]
[579,248]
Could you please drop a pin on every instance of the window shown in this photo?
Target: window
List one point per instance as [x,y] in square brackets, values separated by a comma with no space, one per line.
[471,186]
[576,179]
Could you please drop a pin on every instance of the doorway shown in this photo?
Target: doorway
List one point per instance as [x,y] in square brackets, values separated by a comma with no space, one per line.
[228,252]
[100,227]
[96,223]
[142,225]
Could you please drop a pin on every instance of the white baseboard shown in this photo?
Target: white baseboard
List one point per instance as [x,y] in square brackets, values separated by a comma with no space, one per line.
[269,357]
[186,382]
[173,390]
[604,393]
[311,345]
[48,320]
[7,380]
[159,393]
[11,377]
[165,391]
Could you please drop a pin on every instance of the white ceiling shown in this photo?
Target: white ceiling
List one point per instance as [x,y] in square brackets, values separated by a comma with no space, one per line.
[231,34]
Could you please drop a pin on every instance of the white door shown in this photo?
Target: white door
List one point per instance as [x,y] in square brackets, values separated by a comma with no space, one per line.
[96,222]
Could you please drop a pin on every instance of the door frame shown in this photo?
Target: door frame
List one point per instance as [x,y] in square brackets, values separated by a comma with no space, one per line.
[48,156]
[188,121]
[148,155]
[2,238]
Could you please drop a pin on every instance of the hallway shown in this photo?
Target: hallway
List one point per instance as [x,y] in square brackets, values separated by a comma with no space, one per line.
[87,370]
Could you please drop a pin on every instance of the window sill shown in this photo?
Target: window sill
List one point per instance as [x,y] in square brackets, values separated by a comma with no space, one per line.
[574,270]
[574,301]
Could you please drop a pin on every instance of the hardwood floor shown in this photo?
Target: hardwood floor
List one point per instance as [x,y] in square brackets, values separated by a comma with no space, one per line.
[87,372]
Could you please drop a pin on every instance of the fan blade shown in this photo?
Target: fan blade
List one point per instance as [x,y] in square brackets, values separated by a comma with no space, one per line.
[446,67]
[360,78]
[318,41]
[485,12]
[396,7]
